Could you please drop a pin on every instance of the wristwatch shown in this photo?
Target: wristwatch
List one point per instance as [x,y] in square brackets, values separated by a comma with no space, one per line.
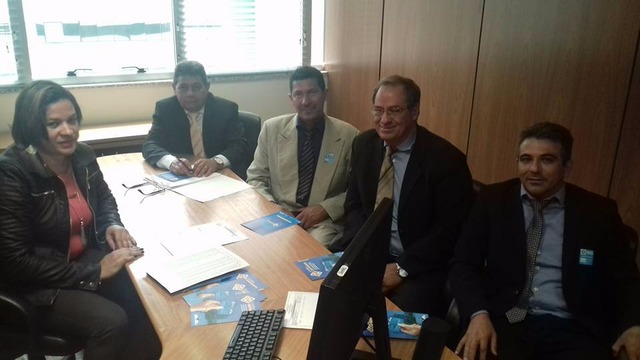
[219,162]
[401,272]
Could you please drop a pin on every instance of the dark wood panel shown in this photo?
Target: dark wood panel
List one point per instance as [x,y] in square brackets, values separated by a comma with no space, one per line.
[625,184]
[352,58]
[435,42]
[563,61]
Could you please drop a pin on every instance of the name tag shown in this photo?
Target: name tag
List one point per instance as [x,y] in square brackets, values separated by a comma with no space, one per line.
[586,257]
[329,158]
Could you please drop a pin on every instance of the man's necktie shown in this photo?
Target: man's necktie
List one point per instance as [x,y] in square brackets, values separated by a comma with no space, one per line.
[534,234]
[196,136]
[385,180]
[305,169]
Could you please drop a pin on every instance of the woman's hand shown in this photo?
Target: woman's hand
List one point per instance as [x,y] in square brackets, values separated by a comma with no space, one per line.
[115,260]
[118,238]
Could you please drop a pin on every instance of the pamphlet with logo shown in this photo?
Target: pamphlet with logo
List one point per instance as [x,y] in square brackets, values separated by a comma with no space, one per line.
[271,223]
[319,267]
[225,298]
[402,325]
[170,180]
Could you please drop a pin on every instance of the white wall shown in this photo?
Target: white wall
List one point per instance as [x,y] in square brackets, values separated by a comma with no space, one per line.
[116,104]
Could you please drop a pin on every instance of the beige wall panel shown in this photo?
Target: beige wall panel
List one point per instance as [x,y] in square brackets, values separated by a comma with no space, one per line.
[352,58]
[563,61]
[625,184]
[435,42]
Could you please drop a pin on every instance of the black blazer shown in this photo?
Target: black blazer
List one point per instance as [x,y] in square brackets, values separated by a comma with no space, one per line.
[434,201]
[222,132]
[604,296]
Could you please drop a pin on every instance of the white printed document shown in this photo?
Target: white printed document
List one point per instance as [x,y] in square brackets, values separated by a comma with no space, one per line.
[179,272]
[213,187]
[198,238]
[300,310]
[169,180]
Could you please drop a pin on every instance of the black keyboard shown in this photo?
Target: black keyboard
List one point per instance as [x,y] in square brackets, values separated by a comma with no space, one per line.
[256,335]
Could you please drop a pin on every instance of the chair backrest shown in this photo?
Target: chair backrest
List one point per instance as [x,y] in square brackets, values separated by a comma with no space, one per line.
[252,125]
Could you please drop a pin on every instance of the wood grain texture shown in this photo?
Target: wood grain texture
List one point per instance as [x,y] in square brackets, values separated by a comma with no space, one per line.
[435,43]
[625,183]
[271,259]
[352,58]
[562,61]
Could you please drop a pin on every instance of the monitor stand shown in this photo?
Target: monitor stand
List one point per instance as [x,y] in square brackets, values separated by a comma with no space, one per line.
[377,310]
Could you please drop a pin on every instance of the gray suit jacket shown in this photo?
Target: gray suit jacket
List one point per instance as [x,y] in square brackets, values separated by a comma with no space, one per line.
[274,171]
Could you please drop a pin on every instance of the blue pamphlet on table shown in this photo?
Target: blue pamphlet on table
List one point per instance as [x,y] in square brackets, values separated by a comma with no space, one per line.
[402,325]
[270,223]
[318,268]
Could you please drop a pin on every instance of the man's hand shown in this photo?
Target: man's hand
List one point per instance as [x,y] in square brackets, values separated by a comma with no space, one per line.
[311,215]
[630,342]
[204,167]
[391,279]
[480,334]
[181,167]
[115,260]
[118,237]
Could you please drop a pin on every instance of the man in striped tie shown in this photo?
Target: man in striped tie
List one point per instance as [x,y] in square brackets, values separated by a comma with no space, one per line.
[194,124]
[542,270]
[302,159]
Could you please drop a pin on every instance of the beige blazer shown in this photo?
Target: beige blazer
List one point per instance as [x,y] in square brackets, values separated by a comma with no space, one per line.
[274,171]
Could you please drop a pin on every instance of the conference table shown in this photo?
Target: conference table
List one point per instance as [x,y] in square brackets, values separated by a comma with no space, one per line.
[271,258]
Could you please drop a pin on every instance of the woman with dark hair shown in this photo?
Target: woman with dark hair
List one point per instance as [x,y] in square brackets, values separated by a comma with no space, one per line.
[62,244]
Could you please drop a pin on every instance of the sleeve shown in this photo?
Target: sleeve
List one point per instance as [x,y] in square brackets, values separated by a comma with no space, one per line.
[106,208]
[153,148]
[258,173]
[236,143]
[450,193]
[355,215]
[20,265]
[467,265]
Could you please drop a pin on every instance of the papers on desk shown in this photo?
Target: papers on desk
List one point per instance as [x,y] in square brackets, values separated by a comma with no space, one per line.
[212,187]
[201,237]
[300,310]
[225,299]
[179,272]
[270,223]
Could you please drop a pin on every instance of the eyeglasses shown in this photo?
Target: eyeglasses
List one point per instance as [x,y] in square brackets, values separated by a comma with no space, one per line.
[392,112]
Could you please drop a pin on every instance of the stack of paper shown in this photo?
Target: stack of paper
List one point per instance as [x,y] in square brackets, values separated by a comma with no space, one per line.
[179,272]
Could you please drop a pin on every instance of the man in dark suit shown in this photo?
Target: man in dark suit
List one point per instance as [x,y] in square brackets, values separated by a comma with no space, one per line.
[541,270]
[195,124]
[432,194]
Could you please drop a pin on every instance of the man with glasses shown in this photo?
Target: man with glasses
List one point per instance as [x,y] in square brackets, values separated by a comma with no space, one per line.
[195,133]
[302,160]
[430,184]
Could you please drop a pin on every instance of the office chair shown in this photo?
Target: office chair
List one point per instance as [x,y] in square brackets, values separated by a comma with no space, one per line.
[252,125]
[21,334]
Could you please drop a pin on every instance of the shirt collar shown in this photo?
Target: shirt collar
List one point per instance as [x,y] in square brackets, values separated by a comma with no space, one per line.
[559,195]
[318,126]
[407,144]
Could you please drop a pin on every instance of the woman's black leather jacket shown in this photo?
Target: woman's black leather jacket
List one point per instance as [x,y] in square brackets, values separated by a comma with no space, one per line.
[35,224]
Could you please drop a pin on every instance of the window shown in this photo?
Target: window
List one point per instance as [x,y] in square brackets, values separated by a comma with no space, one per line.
[81,41]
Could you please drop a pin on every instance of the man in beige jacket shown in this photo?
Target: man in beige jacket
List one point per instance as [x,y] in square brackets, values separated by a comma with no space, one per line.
[302,160]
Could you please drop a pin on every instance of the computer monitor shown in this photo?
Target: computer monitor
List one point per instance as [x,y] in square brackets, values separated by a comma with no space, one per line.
[352,292]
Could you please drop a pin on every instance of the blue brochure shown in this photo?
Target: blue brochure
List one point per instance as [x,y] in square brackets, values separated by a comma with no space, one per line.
[223,302]
[402,325]
[319,267]
[270,223]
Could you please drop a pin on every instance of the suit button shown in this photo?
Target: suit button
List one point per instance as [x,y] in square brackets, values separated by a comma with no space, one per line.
[91,284]
[81,283]
[516,292]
